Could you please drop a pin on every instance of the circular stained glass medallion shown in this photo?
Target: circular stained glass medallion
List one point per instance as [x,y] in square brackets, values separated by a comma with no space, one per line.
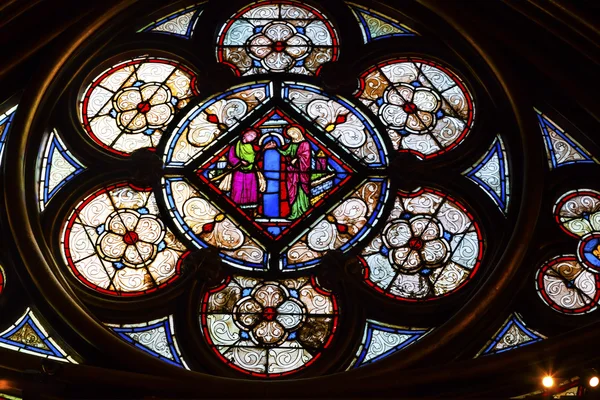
[568,287]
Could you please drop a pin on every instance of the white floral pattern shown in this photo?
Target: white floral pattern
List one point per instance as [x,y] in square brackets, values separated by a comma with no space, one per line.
[412,108]
[269,314]
[143,107]
[130,239]
[279,46]
[416,244]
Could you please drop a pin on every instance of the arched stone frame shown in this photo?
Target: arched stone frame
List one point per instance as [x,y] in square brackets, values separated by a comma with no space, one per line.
[521,113]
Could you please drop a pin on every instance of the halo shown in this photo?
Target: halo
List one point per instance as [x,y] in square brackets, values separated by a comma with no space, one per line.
[302,130]
[277,135]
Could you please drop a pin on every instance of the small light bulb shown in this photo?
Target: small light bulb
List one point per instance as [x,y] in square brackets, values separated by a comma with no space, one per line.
[594,381]
[548,381]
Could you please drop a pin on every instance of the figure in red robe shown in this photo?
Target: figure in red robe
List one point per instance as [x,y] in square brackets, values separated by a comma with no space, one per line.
[298,160]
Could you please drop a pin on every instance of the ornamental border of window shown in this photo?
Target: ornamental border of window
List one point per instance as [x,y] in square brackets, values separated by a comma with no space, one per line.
[499,194]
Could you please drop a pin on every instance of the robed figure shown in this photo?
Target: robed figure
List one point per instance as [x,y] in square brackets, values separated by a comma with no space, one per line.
[297,154]
[244,180]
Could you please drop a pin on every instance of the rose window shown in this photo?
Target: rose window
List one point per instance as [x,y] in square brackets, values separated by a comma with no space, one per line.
[308,193]
[275,178]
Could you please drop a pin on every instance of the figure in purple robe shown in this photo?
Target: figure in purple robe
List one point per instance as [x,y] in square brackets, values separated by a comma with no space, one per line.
[244,181]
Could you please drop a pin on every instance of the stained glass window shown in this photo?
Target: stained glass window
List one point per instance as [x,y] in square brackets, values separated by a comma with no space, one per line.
[514,333]
[181,23]
[426,108]
[28,335]
[128,106]
[263,221]
[561,148]
[342,122]
[567,286]
[156,337]
[570,283]
[300,166]
[277,36]
[115,242]
[430,246]
[381,340]
[269,328]
[578,214]
[491,173]
[6,117]
[376,26]
[57,167]
[201,127]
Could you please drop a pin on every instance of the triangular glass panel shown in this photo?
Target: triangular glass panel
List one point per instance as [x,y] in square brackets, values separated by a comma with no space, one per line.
[275,173]
[381,340]
[513,334]
[376,26]
[156,338]
[5,122]
[491,173]
[27,335]
[181,23]
[561,148]
[57,167]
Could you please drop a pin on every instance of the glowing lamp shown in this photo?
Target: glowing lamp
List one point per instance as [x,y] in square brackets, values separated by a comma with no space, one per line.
[548,381]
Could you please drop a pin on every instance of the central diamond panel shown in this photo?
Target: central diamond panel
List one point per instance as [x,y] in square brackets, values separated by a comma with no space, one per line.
[275,172]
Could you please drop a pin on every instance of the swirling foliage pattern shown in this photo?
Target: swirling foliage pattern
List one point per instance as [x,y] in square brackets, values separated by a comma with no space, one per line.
[206,225]
[376,26]
[340,229]
[115,243]
[205,123]
[491,173]
[381,340]
[426,108]
[512,335]
[268,328]
[128,106]
[578,212]
[345,124]
[561,148]
[57,167]
[431,246]
[277,36]
[565,285]
[181,23]
[570,283]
